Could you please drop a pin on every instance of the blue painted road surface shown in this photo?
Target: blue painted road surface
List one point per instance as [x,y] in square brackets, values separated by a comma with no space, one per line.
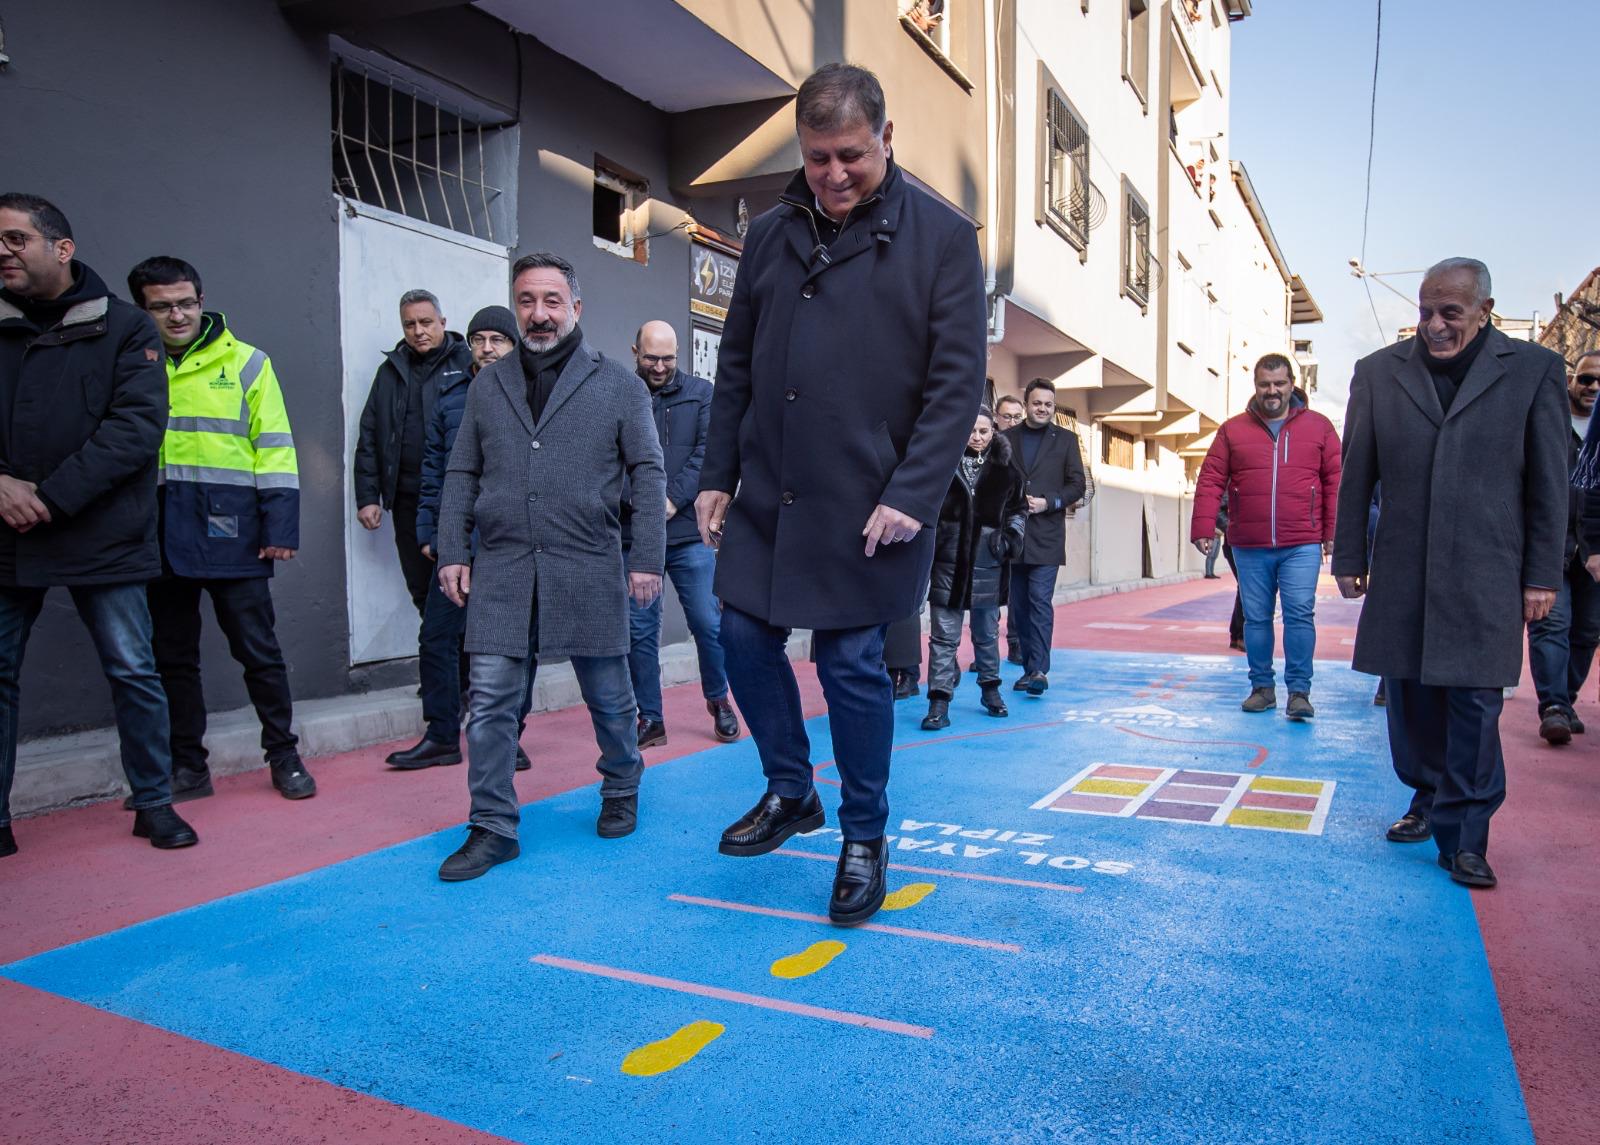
[1129,913]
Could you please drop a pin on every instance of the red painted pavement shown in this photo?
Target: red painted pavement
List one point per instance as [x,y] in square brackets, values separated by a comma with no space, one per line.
[72,1073]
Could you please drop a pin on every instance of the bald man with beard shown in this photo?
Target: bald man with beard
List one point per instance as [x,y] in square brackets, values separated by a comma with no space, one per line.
[681,403]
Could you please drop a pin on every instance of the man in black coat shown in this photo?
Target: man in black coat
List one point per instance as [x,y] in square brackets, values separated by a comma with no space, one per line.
[83,406]
[394,427]
[1049,457]
[850,368]
[1467,429]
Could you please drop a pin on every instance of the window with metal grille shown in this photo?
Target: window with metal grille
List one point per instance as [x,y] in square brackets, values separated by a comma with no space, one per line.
[1136,247]
[1067,188]
[404,149]
[1136,46]
[1116,447]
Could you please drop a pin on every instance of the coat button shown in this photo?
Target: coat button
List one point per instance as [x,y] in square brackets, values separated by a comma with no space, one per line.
[535,445]
[533,496]
[807,291]
[538,548]
[790,395]
[787,498]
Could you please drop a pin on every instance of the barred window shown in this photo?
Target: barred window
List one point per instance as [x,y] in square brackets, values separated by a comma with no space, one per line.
[1067,187]
[1136,247]
[1116,447]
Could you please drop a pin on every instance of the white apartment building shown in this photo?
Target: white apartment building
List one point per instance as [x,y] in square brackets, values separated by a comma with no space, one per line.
[1136,267]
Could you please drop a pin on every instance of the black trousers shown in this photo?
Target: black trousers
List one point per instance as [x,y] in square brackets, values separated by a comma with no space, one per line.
[1236,622]
[1446,747]
[244,612]
[416,568]
[902,646]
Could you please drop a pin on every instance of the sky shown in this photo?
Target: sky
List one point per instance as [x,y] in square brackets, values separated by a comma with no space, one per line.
[1485,147]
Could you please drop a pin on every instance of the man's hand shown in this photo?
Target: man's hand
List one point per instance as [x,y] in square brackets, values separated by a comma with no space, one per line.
[710,508]
[455,581]
[1593,565]
[886,526]
[1037,505]
[276,553]
[1351,587]
[672,510]
[427,551]
[1327,548]
[20,506]
[1537,603]
[1204,545]
[370,516]
[644,588]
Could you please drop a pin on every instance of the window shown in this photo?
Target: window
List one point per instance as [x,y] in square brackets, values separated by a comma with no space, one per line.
[619,213]
[403,149]
[1136,259]
[1152,453]
[1136,47]
[1067,190]
[1116,447]
[931,19]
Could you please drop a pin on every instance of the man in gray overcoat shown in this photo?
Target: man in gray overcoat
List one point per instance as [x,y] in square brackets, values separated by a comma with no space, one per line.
[537,471]
[1467,429]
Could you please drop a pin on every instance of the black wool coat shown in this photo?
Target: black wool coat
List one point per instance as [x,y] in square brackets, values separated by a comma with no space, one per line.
[966,572]
[1056,475]
[377,456]
[1474,509]
[843,382]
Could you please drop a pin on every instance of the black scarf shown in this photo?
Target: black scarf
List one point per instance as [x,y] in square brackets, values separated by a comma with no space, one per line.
[542,368]
[1448,374]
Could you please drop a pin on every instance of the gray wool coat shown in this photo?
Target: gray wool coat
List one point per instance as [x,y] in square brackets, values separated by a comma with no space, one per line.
[1474,509]
[545,501]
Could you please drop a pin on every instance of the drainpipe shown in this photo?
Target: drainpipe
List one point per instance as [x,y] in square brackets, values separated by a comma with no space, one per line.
[991,55]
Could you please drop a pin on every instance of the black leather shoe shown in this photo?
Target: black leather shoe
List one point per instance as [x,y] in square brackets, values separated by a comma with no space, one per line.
[992,703]
[425,753]
[619,815]
[725,723]
[1037,683]
[652,733]
[186,785]
[482,850]
[1555,726]
[8,841]
[859,883]
[938,717]
[767,825]
[1469,870]
[905,685]
[1409,828]
[164,827]
[1577,724]
[523,762]
[1022,682]
[292,779]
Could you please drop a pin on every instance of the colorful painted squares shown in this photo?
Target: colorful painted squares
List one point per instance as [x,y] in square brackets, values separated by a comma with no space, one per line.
[1181,795]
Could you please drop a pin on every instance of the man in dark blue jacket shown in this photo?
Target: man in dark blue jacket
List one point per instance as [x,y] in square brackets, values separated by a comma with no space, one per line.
[83,404]
[682,406]
[491,335]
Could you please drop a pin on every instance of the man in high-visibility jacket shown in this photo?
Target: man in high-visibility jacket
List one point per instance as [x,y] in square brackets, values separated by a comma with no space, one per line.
[230,508]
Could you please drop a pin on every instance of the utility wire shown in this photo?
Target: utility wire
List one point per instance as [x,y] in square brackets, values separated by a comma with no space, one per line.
[1366,210]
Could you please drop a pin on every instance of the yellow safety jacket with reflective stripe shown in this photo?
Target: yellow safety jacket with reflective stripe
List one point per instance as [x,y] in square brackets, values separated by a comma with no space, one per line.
[230,482]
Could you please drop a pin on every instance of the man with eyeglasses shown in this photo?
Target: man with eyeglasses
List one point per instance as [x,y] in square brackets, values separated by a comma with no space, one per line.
[229,503]
[1561,647]
[83,405]
[681,404]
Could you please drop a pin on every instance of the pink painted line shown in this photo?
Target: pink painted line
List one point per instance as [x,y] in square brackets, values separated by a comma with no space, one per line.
[799,916]
[948,874]
[842,1016]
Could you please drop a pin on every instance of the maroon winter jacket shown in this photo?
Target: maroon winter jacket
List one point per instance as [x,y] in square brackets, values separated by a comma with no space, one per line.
[1281,492]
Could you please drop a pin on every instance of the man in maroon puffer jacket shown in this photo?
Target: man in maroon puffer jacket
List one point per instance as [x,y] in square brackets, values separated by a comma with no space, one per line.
[1279,464]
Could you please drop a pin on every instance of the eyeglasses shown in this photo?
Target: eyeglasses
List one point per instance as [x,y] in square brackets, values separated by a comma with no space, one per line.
[650,361]
[1587,379]
[17,241]
[183,305]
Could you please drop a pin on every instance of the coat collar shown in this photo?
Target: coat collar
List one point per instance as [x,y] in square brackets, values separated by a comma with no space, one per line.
[873,220]
[513,380]
[1487,369]
[1050,431]
[77,315]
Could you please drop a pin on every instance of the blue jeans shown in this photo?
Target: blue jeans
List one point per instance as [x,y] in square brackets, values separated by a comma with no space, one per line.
[118,619]
[498,699]
[860,713]
[1561,646]
[691,565]
[1033,613]
[1289,574]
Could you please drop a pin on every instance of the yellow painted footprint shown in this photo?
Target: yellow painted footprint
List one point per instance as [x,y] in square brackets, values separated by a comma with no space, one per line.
[808,961]
[670,1053]
[907,896]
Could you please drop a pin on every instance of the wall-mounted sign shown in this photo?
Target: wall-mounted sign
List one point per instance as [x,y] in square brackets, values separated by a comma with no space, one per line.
[711,275]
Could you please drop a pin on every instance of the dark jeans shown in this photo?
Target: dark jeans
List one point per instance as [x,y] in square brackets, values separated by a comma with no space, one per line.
[1561,646]
[860,713]
[118,620]
[499,698]
[1236,622]
[416,568]
[442,666]
[1033,613]
[944,637]
[691,566]
[244,613]
[1445,743]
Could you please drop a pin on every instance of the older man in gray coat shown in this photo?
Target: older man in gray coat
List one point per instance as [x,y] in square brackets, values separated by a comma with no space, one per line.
[537,471]
[1467,429]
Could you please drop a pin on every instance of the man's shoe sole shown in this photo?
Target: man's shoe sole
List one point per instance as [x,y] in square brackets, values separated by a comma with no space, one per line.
[613,833]
[856,917]
[1466,880]
[464,876]
[1299,717]
[746,850]
[734,738]
[1556,737]
[170,843]
[420,765]
[1423,838]
[653,741]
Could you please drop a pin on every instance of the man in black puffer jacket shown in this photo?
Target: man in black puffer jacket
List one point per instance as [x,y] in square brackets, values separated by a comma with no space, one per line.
[980,532]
